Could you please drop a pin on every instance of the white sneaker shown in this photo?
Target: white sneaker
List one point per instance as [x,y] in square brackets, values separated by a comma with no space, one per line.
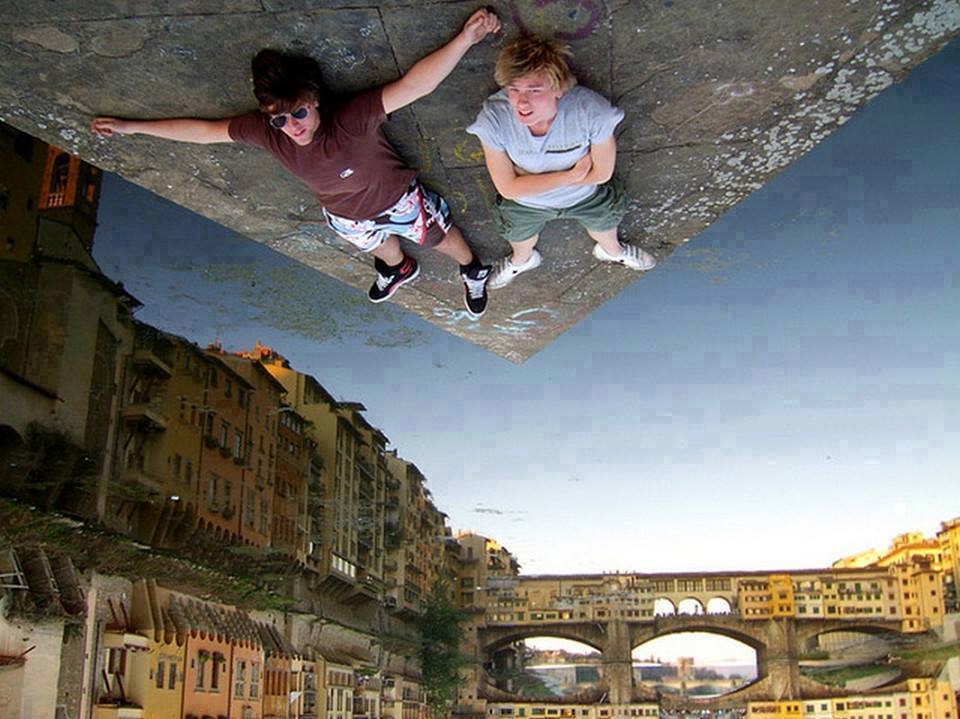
[630,255]
[504,270]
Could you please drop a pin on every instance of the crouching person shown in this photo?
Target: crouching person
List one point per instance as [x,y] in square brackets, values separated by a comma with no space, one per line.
[550,151]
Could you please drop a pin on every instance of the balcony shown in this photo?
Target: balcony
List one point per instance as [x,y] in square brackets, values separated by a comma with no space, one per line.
[136,477]
[147,361]
[115,711]
[120,639]
[145,416]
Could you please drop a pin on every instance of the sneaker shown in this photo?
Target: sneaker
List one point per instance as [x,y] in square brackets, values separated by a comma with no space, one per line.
[475,289]
[504,270]
[630,255]
[390,280]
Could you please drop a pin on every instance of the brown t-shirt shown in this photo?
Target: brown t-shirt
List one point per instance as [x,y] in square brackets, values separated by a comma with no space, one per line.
[354,170]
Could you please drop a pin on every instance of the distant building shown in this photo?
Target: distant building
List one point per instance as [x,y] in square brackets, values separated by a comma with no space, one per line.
[64,327]
[949,538]
[349,517]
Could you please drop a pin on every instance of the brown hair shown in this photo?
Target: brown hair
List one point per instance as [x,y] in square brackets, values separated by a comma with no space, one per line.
[527,54]
[282,81]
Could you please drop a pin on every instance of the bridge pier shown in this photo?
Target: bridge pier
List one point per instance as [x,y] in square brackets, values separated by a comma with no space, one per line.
[618,666]
[777,659]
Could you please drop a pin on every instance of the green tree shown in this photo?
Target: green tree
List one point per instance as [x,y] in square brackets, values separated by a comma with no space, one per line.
[441,632]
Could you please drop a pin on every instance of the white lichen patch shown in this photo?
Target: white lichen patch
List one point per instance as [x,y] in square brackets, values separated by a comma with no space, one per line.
[744,170]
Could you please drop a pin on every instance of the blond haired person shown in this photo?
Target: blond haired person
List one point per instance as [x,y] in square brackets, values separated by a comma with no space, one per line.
[550,151]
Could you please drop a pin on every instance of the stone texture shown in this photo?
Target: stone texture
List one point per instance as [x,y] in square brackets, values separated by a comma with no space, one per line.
[719,98]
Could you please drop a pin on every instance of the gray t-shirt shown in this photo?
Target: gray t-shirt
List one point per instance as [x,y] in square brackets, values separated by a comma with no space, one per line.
[583,118]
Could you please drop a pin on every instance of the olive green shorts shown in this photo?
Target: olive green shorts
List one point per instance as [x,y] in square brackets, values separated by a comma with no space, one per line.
[601,211]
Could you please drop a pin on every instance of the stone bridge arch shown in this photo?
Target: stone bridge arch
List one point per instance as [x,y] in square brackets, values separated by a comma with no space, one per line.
[809,630]
[492,638]
[753,634]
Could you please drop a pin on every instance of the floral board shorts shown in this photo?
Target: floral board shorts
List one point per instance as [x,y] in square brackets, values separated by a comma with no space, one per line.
[420,215]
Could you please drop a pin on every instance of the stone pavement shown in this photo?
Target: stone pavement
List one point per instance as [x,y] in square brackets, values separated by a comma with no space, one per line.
[719,97]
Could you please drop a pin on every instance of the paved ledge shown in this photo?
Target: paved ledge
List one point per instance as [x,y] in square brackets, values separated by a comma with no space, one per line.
[719,97]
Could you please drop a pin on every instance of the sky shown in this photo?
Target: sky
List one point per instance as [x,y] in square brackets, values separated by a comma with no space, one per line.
[781,391]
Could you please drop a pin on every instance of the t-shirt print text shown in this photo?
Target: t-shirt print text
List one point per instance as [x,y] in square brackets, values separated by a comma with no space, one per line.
[561,150]
[345,173]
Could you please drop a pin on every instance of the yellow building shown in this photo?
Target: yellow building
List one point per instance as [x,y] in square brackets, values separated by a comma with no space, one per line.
[931,699]
[911,547]
[920,590]
[415,537]
[753,598]
[154,495]
[339,684]
[256,450]
[159,678]
[487,571]
[347,530]
[774,710]
[949,538]
[781,596]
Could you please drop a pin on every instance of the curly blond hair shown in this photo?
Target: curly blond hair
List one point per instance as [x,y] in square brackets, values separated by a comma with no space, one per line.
[527,54]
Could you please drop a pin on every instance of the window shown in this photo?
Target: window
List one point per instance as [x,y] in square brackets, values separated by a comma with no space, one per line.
[228,388]
[224,434]
[239,679]
[177,459]
[254,680]
[172,682]
[237,444]
[159,675]
[202,658]
[117,661]
[249,509]
[215,673]
[188,472]
[264,516]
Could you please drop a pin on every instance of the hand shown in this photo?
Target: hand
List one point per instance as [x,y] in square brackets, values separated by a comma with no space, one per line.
[480,24]
[109,126]
[580,170]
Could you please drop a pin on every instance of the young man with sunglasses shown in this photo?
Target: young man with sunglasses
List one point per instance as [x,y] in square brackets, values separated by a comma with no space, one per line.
[334,144]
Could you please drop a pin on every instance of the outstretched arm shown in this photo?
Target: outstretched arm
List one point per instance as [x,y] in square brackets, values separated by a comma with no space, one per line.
[182,129]
[512,185]
[424,77]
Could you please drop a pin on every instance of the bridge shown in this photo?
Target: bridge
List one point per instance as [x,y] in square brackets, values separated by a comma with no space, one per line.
[779,642]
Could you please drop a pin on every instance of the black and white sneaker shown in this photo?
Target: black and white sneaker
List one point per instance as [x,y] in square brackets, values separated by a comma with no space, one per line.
[390,279]
[475,289]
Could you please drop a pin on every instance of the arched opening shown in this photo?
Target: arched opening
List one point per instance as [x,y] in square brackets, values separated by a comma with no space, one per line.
[719,605]
[859,660]
[694,664]
[663,607]
[689,606]
[548,669]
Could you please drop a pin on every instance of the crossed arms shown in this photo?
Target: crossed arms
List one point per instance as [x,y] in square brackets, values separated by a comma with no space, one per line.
[594,168]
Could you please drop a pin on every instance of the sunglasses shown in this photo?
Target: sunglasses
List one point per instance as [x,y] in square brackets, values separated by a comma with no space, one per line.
[278,121]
